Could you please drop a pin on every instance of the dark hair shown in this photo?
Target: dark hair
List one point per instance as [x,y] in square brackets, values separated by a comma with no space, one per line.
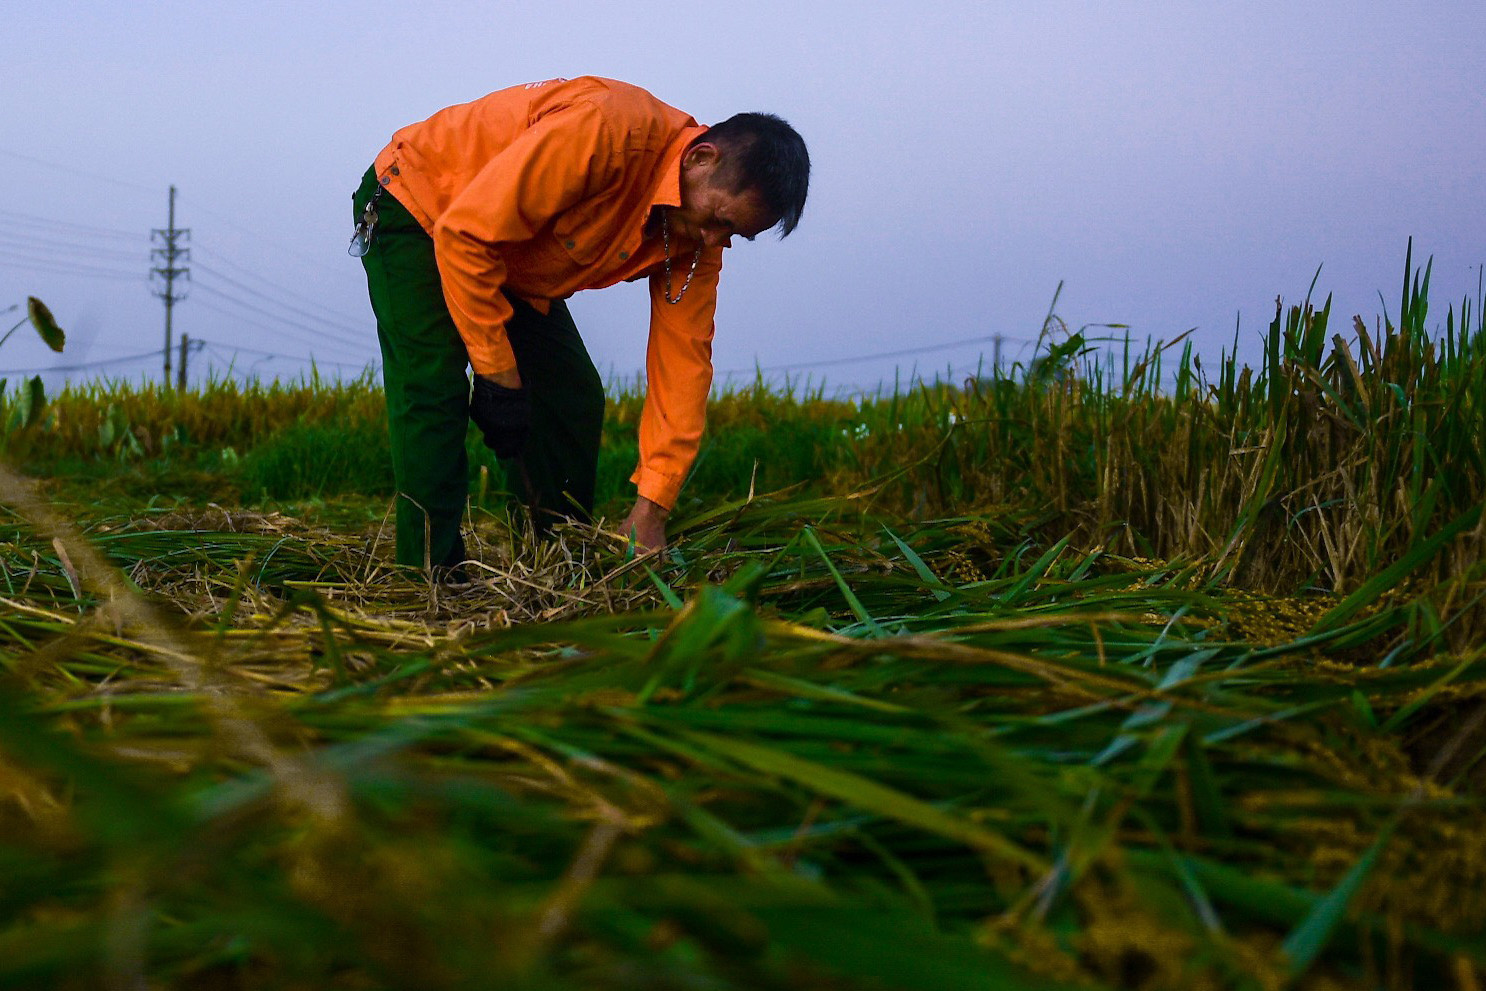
[762,152]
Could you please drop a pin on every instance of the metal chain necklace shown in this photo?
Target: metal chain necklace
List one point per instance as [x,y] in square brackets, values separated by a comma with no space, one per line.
[665,236]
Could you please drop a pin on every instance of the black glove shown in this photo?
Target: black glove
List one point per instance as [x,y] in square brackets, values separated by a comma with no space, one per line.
[503,416]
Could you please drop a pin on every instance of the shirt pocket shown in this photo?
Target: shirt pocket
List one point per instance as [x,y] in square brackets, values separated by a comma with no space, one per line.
[584,232]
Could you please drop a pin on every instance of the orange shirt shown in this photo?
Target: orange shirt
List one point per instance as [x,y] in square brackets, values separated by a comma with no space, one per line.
[543,190]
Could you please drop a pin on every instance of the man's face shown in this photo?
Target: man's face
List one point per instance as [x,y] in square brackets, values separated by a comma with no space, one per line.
[711,210]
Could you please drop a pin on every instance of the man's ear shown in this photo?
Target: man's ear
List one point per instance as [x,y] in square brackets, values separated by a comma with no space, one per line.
[703,154]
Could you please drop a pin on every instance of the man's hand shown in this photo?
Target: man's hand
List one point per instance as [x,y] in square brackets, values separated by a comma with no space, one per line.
[502,413]
[646,525]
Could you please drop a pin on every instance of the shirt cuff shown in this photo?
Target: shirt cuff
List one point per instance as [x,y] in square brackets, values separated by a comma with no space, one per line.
[658,488]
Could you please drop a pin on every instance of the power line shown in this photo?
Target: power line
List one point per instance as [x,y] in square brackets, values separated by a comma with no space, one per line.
[904,353]
[269,328]
[81,366]
[311,300]
[290,357]
[55,267]
[64,239]
[279,330]
[230,222]
[52,237]
[347,326]
[317,331]
[199,207]
[32,220]
[320,332]
[78,172]
[55,245]
[196,344]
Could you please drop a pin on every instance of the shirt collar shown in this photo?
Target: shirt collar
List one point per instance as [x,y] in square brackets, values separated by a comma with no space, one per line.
[668,191]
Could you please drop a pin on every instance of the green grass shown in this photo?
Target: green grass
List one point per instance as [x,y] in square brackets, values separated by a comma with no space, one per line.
[1102,674]
[945,755]
[1317,469]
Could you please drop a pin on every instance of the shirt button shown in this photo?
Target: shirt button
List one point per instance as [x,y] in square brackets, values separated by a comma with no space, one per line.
[384,180]
[624,256]
[570,245]
[394,170]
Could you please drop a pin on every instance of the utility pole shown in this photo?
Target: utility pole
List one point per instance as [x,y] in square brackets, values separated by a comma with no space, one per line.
[180,383]
[169,267]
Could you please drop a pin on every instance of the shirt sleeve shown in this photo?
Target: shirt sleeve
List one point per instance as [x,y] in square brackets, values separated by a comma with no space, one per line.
[562,159]
[678,372]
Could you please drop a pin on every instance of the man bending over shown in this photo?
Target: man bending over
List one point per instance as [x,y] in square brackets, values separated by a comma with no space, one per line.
[476,224]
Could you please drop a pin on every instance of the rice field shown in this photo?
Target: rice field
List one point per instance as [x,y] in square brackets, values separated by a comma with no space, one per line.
[1110,671]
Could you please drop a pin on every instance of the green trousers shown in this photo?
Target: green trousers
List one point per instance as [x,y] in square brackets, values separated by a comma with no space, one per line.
[423,372]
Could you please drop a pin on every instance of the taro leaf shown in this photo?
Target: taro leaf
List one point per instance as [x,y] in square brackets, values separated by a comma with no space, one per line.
[45,324]
[106,432]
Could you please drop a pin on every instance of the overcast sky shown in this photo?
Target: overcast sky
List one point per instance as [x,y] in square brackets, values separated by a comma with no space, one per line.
[1175,165]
